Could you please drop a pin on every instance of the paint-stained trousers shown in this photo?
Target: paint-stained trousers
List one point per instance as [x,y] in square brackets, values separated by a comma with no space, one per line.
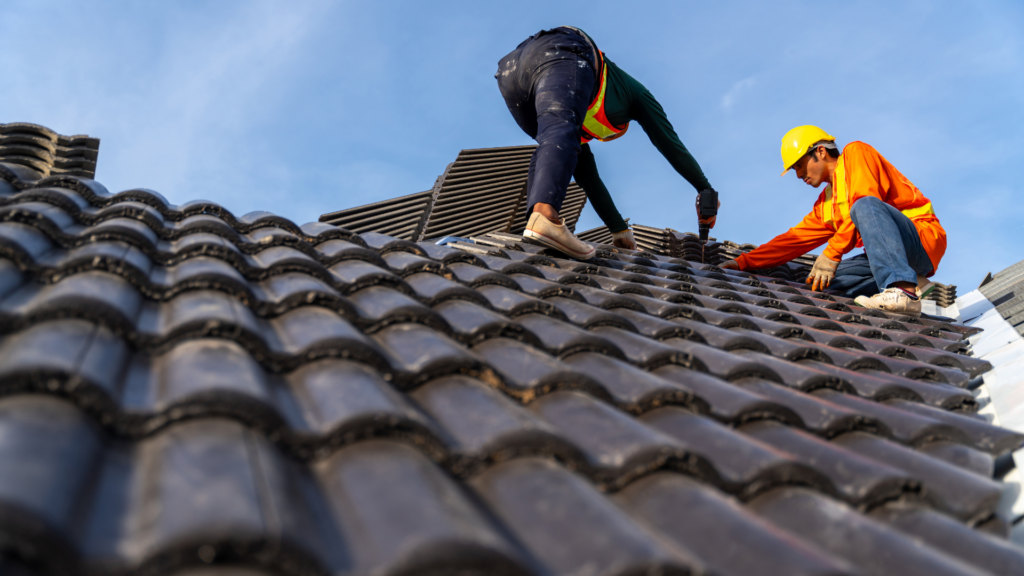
[548,83]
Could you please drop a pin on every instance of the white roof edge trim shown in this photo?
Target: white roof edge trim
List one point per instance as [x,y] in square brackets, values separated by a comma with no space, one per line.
[1003,388]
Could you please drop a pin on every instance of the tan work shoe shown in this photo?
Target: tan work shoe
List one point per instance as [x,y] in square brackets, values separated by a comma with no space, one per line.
[892,300]
[546,233]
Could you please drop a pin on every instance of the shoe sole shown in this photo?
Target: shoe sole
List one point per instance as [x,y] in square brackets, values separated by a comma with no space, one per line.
[905,313]
[552,243]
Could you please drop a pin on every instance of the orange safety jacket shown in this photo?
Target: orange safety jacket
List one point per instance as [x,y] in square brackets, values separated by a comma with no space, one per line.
[596,124]
[860,172]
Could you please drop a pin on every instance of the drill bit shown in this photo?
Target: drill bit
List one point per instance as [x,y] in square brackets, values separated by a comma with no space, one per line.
[707,207]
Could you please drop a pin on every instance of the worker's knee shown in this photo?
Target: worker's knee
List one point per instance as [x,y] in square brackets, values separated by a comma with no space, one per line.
[863,205]
[561,133]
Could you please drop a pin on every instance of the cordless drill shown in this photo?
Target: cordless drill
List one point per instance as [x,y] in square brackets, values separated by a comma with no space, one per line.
[707,207]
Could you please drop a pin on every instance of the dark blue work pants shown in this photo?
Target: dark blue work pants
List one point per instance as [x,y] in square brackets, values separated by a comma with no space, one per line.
[548,83]
[892,251]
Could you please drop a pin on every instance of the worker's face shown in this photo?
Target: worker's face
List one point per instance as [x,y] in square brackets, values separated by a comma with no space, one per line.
[812,168]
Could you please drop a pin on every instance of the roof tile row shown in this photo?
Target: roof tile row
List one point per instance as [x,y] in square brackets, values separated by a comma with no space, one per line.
[187,387]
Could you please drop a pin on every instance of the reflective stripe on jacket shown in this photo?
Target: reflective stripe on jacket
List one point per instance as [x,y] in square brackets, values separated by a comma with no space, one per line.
[860,172]
[596,124]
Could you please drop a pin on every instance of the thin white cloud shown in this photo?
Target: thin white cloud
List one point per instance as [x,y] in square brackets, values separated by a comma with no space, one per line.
[730,98]
[210,86]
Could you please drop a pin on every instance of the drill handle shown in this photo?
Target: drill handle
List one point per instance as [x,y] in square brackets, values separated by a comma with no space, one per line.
[707,203]
[707,207]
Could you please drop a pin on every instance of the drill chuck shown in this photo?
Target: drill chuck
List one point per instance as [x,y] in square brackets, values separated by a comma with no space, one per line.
[703,229]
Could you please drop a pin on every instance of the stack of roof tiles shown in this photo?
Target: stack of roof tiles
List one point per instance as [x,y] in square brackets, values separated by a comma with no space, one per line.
[484,190]
[47,152]
[657,240]
[686,245]
[599,235]
[1005,290]
[943,294]
[184,388]
[399,217]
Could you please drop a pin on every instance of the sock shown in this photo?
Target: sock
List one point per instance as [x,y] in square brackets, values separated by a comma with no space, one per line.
[911,293]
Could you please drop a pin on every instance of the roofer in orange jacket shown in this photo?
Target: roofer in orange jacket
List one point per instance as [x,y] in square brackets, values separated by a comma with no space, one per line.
[866,202]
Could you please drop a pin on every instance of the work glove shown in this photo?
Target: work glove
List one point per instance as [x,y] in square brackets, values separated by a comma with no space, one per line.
[729,265]
[822,273]
[624,239]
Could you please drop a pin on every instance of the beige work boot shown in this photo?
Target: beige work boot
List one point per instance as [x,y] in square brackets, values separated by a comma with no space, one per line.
[546,233]
[892,300]
[924,287]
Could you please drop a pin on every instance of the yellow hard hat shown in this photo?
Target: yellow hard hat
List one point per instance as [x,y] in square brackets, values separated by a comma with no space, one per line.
[798,142]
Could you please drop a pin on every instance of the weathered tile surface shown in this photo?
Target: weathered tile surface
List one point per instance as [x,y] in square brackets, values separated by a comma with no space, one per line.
[186,391]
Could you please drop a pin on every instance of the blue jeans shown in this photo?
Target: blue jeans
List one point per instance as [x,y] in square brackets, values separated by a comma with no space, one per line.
[547,83]
[893,251]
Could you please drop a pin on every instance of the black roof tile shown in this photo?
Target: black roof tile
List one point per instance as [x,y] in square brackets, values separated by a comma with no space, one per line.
[632,389]
[486,426]
[859,481]
[726,536]
[527,372]
[547,505]
[815,413]
[842,532]
[967,496]
[548,288]
[726,402]
[181,385]
[396,511]
[587,316]
[933,529]
[739,464]
[983,435]
[965,457]
[472,323]
[906,427]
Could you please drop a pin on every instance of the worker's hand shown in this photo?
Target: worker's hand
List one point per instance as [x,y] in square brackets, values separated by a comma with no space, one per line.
[729,265]
[624,239]
[710,221]
[822,273]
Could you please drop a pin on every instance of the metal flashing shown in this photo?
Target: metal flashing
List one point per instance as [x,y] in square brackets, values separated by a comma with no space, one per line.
[1002,391]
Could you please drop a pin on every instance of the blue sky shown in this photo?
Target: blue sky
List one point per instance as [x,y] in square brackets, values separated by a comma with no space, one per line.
[302,108]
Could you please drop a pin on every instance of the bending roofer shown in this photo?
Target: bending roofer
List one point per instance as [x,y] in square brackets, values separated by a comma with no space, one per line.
[564,92]
[866,202]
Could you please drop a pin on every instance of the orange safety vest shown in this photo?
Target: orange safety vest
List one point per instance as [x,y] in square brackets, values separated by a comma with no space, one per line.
[596,124]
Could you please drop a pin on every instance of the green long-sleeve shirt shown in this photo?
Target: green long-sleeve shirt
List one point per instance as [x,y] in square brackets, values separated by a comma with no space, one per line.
[626,100]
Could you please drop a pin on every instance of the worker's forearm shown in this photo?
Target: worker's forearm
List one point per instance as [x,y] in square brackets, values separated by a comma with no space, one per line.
[778,251]
[652,118]
[587,177]
[757,260]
